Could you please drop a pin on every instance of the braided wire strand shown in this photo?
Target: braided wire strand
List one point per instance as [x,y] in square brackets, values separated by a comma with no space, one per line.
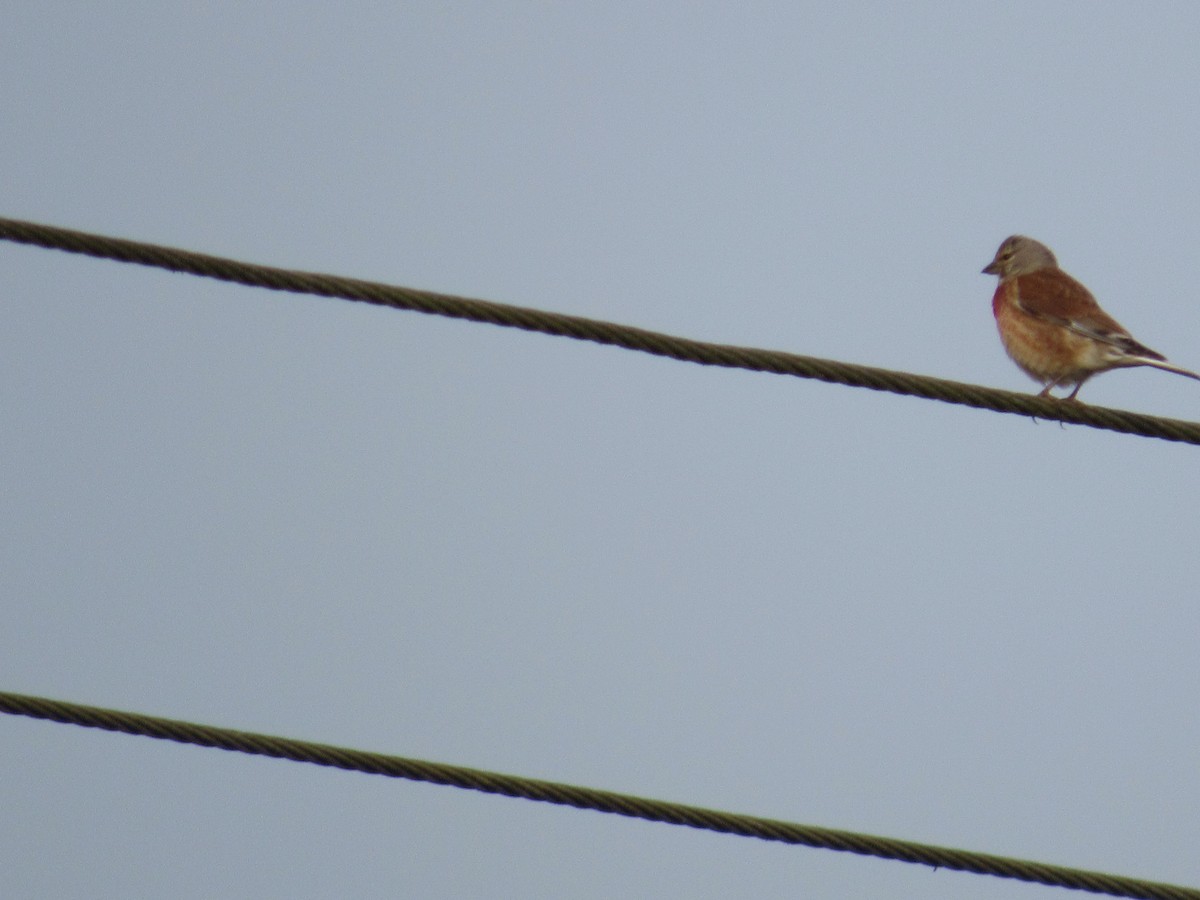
[587,798]
[597,331]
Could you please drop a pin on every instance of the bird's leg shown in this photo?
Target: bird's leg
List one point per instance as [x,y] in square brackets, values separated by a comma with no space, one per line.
[1071,397]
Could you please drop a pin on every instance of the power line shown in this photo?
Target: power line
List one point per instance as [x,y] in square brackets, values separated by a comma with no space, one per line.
[643,341]
[597,331]
[588,798]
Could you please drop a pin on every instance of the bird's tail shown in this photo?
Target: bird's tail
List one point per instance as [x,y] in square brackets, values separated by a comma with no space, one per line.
[1165,366]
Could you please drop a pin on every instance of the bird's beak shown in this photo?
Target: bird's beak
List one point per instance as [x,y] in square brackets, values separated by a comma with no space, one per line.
[992,268]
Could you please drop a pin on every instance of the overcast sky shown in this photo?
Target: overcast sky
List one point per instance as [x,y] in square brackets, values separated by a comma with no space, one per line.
[503,550]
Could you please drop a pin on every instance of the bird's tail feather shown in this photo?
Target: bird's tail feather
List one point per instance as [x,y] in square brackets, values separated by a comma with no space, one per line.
[1166,366]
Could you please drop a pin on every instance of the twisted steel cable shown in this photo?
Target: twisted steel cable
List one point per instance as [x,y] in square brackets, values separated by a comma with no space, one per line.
[598,331]
[588,798]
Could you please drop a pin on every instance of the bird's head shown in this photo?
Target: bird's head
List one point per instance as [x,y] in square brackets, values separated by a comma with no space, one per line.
[1019,255]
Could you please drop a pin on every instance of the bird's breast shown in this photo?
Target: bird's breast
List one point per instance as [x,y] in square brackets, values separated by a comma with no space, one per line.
[999,298]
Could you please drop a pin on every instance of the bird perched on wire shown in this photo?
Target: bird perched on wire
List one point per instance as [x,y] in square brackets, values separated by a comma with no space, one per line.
[1052,326]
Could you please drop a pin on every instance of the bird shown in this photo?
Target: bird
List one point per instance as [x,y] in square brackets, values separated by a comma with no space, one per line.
[1051,325]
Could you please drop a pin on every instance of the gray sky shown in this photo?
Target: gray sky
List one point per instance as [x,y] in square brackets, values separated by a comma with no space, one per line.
[478,546]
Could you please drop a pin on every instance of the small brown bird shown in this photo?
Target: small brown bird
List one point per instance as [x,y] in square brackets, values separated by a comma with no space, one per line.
[1052,326]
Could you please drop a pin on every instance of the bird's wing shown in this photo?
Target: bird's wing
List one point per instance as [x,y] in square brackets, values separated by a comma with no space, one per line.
[1054,296]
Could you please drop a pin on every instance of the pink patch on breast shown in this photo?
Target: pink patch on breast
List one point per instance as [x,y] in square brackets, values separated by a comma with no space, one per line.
[998,299]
